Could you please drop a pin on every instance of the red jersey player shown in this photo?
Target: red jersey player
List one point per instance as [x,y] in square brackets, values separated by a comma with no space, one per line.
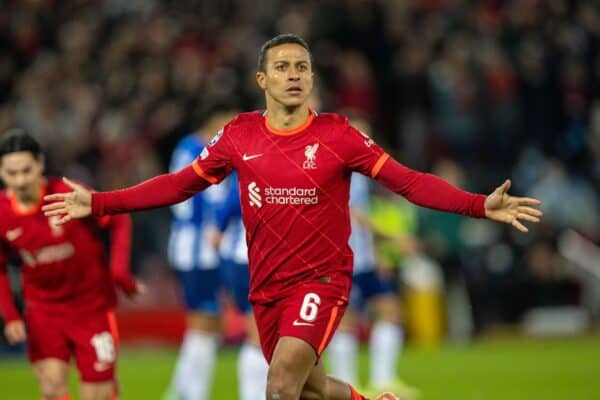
[294,169]
[68,289]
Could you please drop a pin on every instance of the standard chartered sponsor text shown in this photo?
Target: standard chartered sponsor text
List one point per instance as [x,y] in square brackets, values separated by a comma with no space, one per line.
[291,195]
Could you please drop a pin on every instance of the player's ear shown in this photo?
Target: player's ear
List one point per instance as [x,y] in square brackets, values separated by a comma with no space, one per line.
[261,79]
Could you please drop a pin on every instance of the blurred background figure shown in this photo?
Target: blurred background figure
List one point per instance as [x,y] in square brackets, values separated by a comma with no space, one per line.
[69,287]
[194,255]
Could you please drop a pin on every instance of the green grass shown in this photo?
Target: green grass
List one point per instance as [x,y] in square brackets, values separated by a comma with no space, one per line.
[500,369]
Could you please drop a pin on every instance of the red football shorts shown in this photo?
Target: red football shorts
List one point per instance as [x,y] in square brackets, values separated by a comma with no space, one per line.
[91,338]
[312,313]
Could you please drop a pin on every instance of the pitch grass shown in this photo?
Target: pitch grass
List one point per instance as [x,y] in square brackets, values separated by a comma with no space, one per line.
[499,369]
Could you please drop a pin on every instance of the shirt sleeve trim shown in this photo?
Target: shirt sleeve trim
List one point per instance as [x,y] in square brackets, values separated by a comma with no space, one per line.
[379,164]
[198,170]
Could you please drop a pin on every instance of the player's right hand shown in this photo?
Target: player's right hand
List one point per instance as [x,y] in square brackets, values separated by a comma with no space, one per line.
[15,332]
[77,204]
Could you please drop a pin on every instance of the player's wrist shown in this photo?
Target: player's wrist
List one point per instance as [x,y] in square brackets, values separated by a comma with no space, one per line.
[97,204]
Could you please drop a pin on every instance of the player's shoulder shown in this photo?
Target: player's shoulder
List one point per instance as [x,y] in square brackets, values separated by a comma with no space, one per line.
[333,119]
[245,120]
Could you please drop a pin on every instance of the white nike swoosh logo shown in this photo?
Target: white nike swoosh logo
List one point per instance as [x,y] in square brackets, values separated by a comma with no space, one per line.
[246,158]
[299,323]
[13,234]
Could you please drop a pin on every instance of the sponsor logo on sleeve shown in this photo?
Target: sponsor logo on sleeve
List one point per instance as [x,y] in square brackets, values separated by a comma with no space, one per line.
[368,142]
[204,154]
[216,138]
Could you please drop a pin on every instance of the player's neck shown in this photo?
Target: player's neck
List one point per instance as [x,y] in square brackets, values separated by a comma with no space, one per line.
[286,118]
[32,197]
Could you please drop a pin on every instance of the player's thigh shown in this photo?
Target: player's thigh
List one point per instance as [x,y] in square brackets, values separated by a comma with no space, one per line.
[313,314]
[97,391]
[292,362]
[200,289]
[94,338]
[47,336]
[315,385]
[53,376]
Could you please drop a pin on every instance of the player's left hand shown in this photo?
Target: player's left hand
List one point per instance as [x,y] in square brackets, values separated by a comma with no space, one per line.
[76,204]
[501,207]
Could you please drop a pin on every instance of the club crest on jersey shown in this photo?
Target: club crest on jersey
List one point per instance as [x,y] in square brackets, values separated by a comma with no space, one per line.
[310,152]
[216,138]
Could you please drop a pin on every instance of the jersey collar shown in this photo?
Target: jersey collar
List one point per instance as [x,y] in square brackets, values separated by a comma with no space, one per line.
[21,209]
[289,132]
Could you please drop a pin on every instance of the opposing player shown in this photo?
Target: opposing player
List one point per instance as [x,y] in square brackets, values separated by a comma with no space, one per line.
[294,169]
[68,288]
[251,367]
[193,253]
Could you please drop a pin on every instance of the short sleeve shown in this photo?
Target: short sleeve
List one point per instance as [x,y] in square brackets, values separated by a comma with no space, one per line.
[214,162]
[361,153]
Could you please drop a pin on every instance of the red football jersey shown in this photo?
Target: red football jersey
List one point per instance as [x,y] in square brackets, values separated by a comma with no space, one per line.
[64,269]
[294,189]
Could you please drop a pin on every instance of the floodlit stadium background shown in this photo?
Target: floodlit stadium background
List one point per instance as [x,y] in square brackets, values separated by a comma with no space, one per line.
[472,91]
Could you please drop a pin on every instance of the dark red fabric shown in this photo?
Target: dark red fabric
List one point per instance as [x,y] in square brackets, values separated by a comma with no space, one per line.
[160,191]
[429,191]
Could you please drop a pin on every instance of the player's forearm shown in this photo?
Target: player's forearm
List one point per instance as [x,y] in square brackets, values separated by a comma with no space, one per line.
[163,190]
[429,190]
[7,306]
[120,251]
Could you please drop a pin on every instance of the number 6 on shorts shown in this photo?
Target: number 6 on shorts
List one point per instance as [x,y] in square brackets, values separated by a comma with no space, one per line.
[310,307]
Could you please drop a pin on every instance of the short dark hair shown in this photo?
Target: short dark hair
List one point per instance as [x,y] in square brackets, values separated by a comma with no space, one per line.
[278,40]
[17,140]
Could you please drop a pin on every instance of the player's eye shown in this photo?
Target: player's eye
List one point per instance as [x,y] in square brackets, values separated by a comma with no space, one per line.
[280,67]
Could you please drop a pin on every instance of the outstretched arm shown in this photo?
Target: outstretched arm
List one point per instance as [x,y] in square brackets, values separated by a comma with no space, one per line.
[163,190]
[430,191]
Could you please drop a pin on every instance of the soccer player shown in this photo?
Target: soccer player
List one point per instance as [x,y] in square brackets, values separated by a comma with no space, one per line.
[193,253]
[294,169]
[251,367]
[68,288]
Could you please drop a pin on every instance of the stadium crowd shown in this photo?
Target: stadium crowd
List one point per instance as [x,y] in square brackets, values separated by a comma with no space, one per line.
[473,91]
